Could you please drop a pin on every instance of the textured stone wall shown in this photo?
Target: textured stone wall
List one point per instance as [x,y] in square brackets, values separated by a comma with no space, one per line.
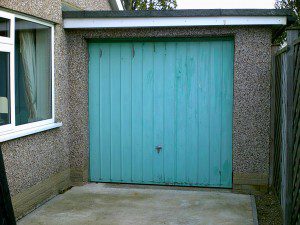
[31,159]
[251,119]
[46,9]
[90,4]
[34,159]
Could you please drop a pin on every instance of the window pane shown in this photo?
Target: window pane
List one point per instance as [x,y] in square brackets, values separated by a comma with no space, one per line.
[4,27]
[32,72]
[4,89]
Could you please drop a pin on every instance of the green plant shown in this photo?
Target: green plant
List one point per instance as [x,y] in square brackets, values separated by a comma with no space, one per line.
[149,4]
[288,4]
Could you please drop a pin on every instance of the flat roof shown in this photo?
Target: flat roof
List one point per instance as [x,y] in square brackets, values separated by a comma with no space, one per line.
[177,18]
[179,13]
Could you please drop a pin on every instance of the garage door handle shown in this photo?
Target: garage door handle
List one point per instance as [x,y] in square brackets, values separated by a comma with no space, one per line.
[158,148]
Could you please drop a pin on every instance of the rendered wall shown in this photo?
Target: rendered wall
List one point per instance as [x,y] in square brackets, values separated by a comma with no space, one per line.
[251,119]
[38,166]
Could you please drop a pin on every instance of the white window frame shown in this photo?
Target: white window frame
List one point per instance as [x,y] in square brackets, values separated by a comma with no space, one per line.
[10,49]
[11,38]
[12,130]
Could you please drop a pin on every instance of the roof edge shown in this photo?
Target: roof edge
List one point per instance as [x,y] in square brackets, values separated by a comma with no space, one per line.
[178,13]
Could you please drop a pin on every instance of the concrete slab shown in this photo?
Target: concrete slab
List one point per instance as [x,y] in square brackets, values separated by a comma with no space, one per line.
[101,204]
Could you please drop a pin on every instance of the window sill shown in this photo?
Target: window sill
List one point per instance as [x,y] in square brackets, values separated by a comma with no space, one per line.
[22,133]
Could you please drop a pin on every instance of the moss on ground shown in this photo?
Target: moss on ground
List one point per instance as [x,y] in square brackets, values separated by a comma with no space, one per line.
[268,209]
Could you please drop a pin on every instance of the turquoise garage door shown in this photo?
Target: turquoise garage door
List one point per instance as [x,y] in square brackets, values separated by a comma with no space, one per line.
[161,112]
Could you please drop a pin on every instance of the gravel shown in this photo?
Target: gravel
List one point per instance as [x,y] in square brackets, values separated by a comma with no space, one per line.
[268,209]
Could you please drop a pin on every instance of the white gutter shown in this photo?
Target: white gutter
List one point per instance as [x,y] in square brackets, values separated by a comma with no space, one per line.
[82,23]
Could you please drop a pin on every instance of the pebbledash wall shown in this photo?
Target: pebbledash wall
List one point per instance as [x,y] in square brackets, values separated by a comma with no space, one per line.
[38,166]
[251,116]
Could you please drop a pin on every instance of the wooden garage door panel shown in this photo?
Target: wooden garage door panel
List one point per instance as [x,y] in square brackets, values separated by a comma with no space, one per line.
[177,95]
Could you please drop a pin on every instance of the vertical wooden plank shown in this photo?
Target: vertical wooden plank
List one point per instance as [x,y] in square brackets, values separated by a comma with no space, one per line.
[148,145]
[277,125]
[94,110]
[105,112]
[283,130]
[137,113]
[115,72]
[169,113]
[227,107]
[292,35]
[159,60]
[215,112]
[192,114]
[181,83]
[296,141]
[126,54]
[272,116]
[204,71]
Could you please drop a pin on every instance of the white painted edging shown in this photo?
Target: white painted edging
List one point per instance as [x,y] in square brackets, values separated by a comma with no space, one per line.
[26,132]
[172,21]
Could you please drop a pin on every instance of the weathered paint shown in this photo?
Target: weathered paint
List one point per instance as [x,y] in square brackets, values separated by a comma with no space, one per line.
[175,94]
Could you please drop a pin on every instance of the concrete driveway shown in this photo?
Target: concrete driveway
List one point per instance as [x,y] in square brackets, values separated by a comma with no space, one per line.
[132,205]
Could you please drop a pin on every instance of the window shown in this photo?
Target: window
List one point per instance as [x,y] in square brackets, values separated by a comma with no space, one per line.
[4,88]
[26,73]
[32,72]
[4,27]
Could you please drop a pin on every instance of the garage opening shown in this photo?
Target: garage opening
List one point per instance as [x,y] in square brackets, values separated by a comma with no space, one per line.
[160,112]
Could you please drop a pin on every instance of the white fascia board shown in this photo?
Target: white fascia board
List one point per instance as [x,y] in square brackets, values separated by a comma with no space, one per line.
[81,23]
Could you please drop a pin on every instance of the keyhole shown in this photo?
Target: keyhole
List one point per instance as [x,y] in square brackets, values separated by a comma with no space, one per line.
[158,148]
